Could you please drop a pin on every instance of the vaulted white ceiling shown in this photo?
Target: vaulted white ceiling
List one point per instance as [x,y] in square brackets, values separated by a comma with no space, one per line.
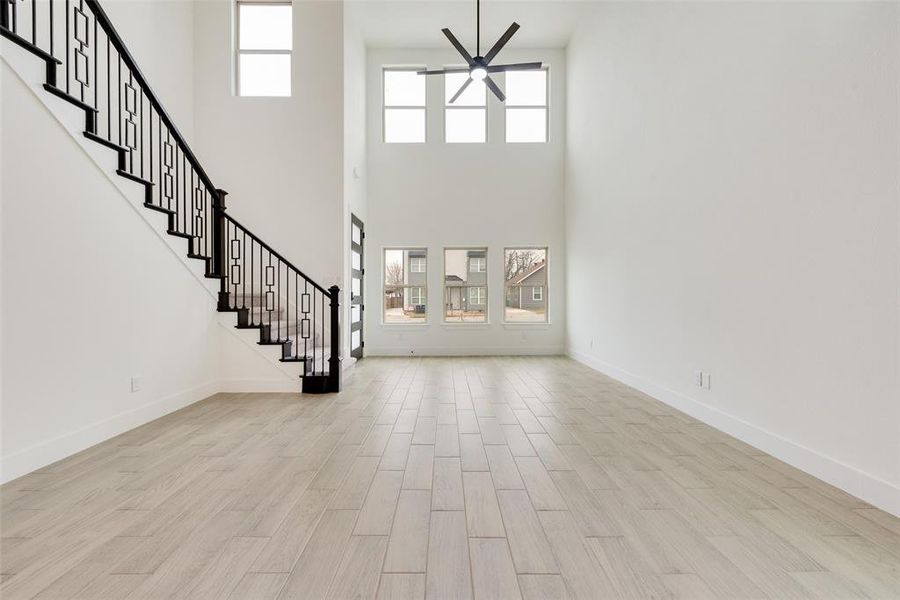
[418,24]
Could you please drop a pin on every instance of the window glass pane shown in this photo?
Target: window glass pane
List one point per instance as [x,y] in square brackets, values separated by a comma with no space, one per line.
[404,125]
[265,27]
[475,94]
[525,274]
[265,74]
[405,291]
[404,88]
[526,125]
[526,88]
[465,125]
[465,287]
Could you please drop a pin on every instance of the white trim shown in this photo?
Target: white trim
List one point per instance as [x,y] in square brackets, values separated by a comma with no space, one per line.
[874,490]
[469,351]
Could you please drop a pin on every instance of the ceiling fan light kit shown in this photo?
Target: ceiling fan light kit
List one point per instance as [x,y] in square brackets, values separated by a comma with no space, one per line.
[480,67]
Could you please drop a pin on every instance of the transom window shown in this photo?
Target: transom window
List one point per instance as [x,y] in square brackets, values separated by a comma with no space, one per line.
[525,276]
[465,120]
[526,106]
[465,286]
[404,105]
[405,290]
[264,44]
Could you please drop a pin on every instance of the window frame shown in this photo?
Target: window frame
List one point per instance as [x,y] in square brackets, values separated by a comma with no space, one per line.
[482,260]
[537,292]
[480,298]
[467,287]
[385,107]
[238,51]
[546,321]
[423,288]
[448,106]
[546,106]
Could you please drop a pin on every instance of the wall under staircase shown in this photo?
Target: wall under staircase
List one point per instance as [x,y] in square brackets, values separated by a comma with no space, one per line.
[94,293]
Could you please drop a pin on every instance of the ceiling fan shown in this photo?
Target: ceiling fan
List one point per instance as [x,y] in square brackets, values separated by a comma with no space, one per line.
[480,67]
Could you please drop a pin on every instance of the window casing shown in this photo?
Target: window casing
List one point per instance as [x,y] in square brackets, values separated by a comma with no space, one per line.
[403,101]
[525,285]
[263,51]
[405,291]
[527,108]
[465,121]
[465,288]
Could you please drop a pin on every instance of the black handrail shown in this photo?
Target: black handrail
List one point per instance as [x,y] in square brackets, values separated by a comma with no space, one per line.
[116,40]
[269,249]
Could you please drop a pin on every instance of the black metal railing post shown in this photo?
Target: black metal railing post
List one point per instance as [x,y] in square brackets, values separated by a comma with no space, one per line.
[334,362]
[219,236]
[5,7]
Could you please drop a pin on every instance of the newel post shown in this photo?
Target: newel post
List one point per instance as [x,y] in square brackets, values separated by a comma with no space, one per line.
[334,362]
[218,247]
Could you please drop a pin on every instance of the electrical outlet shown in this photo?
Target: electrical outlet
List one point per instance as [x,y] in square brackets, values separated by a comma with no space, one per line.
[706,381]
[136,383]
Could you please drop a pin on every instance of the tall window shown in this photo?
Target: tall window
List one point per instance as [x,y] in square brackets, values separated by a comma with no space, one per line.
[526,106]
[264,43]
[404,105]
[525,276]
[405,285]
[465,285]
[465,120]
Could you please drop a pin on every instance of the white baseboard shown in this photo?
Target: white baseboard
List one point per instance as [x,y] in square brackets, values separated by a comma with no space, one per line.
[470,351]
[250,386]
[877,492]
[47,452]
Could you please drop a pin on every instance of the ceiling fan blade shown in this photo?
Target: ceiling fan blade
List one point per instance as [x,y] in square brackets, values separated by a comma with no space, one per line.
[460,90]
[442,71]
[494,88]
[500,43]
[459,47]
[532,66]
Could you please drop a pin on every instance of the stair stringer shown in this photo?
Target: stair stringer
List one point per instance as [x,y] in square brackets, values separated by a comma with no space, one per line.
[32,72]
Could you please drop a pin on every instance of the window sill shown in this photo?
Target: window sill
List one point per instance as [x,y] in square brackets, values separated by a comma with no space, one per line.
[542,325]
[405,325]
[447,325]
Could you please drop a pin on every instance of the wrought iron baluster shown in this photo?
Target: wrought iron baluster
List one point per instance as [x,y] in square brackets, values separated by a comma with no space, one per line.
[50,5]
[68,13]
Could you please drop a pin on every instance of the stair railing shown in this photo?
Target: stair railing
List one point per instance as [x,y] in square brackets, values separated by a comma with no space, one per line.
[88,64]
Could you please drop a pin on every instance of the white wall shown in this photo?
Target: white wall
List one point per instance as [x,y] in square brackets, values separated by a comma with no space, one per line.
[160,36]
[280,159]
[354,147]
[437,195]
[732,206]
[92,294]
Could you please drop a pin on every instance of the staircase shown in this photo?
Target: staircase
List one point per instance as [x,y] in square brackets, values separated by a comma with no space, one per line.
[89,66]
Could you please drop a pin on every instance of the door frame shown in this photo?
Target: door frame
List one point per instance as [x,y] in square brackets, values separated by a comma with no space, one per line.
[357,274]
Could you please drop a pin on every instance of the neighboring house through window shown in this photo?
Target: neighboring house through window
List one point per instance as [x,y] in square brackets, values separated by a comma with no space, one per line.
[525,283]
[465,285]
[405,289]
[264,44]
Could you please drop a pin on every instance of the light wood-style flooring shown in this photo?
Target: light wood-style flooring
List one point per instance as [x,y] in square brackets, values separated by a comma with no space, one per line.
[441,478]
